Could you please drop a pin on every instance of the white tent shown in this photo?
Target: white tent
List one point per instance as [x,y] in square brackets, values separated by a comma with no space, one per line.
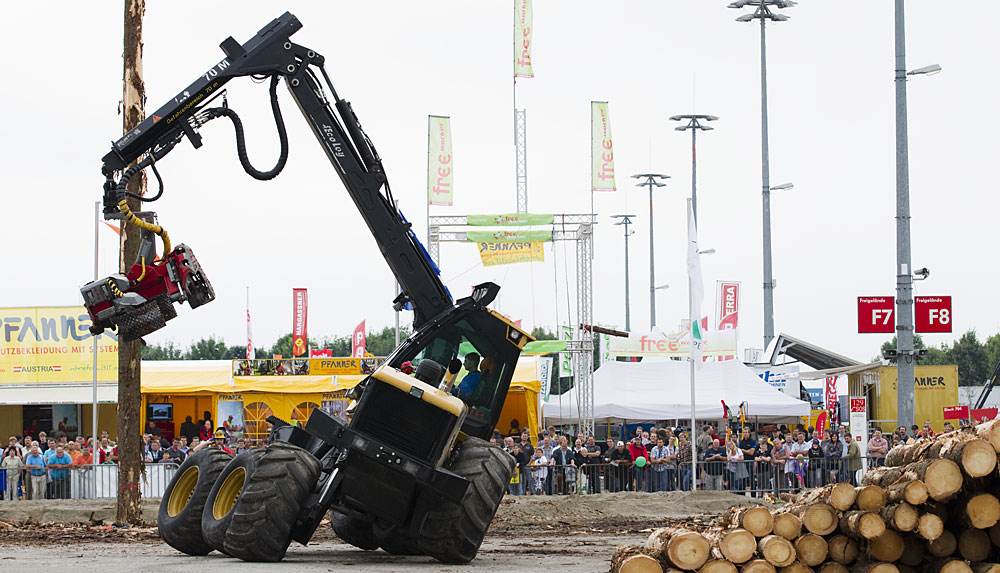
[661,390]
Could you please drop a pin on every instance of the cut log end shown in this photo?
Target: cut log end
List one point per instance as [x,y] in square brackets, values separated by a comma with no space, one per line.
[777,550]
[930,526]
[887,547]
[718,566]
[842,496]
[944,545]
[811,549]
[788,526]
[981,511]
[758,521]
[633,559]
[979,458]
[843,549]
[797,568]
[833,567]
[820,518]
[862,524]
[901,516]
[758,566]
[943,479]
[687,550]
[974,545]
[985,568]
[870,498]
[738,545]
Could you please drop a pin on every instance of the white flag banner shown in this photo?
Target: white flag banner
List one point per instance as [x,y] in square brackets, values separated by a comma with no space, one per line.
[696,285]
[544,367]
[566,332]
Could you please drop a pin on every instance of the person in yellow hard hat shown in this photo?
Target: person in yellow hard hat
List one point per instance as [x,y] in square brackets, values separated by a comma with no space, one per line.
[219,441]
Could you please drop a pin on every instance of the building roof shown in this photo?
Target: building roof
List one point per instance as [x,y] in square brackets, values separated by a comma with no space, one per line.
[808,354]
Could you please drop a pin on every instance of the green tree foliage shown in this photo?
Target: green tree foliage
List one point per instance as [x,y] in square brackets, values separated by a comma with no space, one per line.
[540,333]
[167,351]
[207,349]
[975,360]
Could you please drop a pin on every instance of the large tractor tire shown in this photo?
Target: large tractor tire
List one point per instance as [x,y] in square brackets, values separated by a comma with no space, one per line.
[357,532]
[274,487]
[453,532]
[179,517]
[395,543]
[218,512]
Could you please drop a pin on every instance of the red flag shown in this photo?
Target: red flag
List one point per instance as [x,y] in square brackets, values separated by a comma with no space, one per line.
[300,307]
[251,354]
[358,341]
[321,353]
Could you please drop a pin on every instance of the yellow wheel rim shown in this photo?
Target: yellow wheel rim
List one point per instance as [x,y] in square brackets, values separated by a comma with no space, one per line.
[229,492]
[182,492]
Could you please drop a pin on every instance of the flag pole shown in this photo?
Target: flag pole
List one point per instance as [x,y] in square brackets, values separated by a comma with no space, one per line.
[691,319]
[93,446]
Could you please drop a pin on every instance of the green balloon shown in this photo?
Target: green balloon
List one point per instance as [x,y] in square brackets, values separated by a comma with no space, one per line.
[640,461]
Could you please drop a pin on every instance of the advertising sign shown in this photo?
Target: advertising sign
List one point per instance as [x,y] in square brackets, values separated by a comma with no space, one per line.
[300,315]
[53,345]
[859,422]
[440,174]
[782,377]
[343,366]
[523,23]
[509,236]
[935,388]
[358,341]
[956,412]
[602,156]
[728,305]
[544,366]
[565,358]
[875,315]
[493,254]
[932,313]
[509,220]
[677,344]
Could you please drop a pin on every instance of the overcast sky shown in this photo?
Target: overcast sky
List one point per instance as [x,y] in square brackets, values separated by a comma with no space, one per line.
[831,125]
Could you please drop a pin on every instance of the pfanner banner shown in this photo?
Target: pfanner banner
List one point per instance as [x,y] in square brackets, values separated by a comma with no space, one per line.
[493,254]
[508,236]
[52,345]
[300,315]
[509,220]
[602,156]
[522,39]
[440,173]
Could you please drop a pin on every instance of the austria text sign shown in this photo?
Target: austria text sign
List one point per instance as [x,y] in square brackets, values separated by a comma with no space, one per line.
[932,313]
[875,315]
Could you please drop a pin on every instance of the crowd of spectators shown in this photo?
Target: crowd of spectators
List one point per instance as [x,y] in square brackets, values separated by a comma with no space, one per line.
[39,468]
[660,459]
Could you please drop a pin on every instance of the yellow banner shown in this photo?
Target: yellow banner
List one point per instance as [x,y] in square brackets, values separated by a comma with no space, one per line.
[440,174]
[53,344]
[511,252]
[522,39]
[602,156]
[343,366]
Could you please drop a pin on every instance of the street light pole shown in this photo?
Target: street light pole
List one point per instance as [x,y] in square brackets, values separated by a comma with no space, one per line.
[694,124]
[626,220]
[651,181]
[763,11]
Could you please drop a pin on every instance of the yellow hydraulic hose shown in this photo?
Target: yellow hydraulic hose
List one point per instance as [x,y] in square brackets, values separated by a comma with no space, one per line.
[131,218]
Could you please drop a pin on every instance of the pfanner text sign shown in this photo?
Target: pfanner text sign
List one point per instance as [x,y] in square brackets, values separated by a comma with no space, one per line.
[53,345]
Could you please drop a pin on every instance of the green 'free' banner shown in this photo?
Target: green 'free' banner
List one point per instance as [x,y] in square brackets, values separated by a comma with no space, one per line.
[509,220]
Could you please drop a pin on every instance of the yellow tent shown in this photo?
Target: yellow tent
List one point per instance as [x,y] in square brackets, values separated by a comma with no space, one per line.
[522,399]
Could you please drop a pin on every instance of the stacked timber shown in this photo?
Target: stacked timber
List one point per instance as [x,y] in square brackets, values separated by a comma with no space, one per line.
[934,506]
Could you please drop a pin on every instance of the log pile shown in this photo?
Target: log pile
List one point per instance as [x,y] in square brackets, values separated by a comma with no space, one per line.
[935,506]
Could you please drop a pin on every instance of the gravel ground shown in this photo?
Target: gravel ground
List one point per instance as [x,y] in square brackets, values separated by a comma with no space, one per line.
[560,533]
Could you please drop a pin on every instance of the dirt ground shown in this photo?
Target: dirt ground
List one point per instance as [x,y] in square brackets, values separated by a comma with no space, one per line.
[577,533]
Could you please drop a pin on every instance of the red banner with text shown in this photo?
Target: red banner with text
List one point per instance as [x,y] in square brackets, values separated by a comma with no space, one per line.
[358,341]
[728,307]
[300,314]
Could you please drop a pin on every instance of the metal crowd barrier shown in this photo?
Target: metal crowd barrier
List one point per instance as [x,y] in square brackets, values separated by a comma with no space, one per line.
[749,477]
[153,483]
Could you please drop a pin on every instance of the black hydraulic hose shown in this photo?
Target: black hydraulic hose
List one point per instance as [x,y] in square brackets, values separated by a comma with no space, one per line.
[241,148]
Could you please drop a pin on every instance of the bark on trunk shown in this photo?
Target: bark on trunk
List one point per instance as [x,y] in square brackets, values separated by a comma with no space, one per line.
[913,492]
[887,547]
[777,550]
[736,545]
[985,568]
[942,477]
[128,509]
[862,525]
[840,496]
[811,549]
[977,457]
[901,516]
[819,518]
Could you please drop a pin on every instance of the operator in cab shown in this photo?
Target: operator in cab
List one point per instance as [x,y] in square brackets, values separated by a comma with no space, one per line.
[473,378]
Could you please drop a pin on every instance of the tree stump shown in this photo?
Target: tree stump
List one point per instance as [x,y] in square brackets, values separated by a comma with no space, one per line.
[777,550]
[811,549]
[887,547]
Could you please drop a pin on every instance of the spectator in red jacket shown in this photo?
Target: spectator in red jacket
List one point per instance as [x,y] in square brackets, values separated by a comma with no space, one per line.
[636,449]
